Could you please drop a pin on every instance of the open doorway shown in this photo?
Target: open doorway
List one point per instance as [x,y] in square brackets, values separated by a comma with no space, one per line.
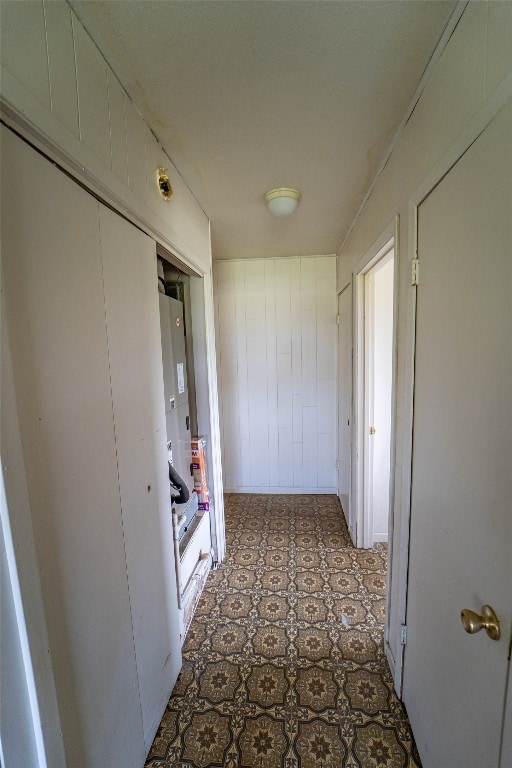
[345,403]
[375,284]
[378,382]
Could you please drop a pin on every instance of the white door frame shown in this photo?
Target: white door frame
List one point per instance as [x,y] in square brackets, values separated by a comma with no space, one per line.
[349,515]
[390,238]
[360,435]
[402,494]
[383,257]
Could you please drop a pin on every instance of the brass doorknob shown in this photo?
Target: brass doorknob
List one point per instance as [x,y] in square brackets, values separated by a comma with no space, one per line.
[474,622]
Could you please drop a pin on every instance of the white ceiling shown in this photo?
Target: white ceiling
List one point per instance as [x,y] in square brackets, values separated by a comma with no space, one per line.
[247,95]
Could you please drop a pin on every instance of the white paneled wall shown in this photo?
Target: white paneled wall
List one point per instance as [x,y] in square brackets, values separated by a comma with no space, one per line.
[276,341]
[71,103]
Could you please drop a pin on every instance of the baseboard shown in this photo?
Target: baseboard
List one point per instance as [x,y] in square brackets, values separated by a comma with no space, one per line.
[380,537]
[284,490]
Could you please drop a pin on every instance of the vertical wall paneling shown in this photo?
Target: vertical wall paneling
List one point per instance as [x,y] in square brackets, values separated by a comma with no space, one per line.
[91,73]
[308,319]
[326,458]
[276,331]
[257,376]
[326,391]
[136,149]
[271,368]
[63,93]
[284,416]
[25,22]
[242,381]
[62,66]
[297,418]
[283,291]
[284,387]
[295,311]
[310,446]
[119,158]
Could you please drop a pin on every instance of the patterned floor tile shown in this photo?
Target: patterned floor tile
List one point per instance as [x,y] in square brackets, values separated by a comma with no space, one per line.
[283,664]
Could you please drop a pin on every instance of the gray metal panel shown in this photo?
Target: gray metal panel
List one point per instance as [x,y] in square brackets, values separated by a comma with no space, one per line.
[175,378]
[179,437]
[178,350]
[167,354]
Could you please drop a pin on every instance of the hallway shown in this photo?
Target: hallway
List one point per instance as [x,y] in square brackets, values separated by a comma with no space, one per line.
[283,664]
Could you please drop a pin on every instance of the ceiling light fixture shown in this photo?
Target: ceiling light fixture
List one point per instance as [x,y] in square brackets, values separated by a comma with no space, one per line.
[282,201]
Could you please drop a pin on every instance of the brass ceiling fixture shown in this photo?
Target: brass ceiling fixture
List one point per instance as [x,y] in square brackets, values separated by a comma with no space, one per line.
[164,183]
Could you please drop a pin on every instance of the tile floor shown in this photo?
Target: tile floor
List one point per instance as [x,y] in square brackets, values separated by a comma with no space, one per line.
[283,665]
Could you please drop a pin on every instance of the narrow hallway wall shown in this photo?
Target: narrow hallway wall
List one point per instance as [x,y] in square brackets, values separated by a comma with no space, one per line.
[469,83]
[276,341]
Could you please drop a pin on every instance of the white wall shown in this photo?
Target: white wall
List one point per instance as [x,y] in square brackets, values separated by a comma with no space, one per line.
[59,94]
[95,459]
[473,74]
[277,359]
[66,98]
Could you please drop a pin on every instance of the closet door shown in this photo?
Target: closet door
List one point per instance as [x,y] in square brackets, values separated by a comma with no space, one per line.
[53,289]
[135,353]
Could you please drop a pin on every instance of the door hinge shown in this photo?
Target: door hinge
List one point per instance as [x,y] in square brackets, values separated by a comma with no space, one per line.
[415,274]
[403,634]
[338,320]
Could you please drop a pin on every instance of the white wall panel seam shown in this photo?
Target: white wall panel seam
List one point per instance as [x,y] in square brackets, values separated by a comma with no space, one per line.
[245,374]
[486,45]
[76,73]
[117,469]
[74,22]
[109,119]
[47,55]
[272,403]
[267,359]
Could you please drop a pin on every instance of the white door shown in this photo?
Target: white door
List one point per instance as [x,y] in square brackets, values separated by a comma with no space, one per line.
[345,399]
[461,521]
[136,377]
[55,311]
[378,386]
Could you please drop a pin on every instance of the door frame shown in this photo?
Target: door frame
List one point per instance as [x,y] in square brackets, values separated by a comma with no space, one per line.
[383,257]
[348,512]
[389,240]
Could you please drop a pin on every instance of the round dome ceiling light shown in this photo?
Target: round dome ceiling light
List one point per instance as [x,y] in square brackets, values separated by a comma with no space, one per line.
[282,201]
